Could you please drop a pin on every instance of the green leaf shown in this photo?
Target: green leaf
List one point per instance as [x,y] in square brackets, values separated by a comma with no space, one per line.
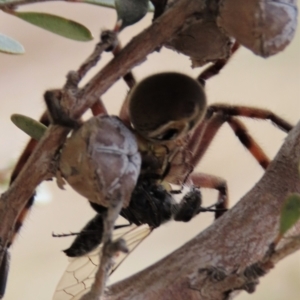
[105,3]
[111,4]
[9,45]
[290,213]
[131,11]
[61,26]
[30,126]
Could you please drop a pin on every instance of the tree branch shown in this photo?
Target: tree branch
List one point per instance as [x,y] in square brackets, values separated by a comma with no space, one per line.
[214,263]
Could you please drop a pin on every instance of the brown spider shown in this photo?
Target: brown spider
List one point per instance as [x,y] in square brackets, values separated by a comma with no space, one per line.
[175,150]
[186,144]
[171,144]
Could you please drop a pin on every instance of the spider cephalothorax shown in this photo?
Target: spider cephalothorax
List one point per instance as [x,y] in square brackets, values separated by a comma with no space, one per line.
[166,106]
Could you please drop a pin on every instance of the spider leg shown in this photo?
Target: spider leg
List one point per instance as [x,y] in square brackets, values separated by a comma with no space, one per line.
[98,108]
[128,77]
[202,180]
[203,135]
[217,115]
[131,82]
[216,67]
[253,113]
[124,113]
[4,266]
[190,204]
[159,6]
[18,168]
[240,131]
[257,152]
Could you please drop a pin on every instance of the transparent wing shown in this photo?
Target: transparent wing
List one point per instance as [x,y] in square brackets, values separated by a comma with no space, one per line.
[79,275]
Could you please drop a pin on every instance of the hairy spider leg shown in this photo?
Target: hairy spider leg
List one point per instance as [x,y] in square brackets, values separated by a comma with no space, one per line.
[202,180]
[217,66]
[217,115]
[4,267]
[18,168]
[203,135]
[98,108]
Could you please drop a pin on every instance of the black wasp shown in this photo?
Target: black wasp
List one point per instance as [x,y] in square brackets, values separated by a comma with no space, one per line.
[151,205]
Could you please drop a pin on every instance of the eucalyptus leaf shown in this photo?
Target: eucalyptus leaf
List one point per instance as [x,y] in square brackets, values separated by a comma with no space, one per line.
[131,11]
[7,1]
[10,46]
[30,126]
[61,26]
[290,213]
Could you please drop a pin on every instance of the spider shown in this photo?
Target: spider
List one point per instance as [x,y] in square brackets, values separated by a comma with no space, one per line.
[171,144]
[186,139]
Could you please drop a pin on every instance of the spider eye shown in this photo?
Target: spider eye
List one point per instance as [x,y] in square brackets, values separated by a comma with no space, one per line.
[170,134]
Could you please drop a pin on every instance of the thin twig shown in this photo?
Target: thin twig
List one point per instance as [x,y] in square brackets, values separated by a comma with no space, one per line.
[292,246]
[109,41]
[109,249]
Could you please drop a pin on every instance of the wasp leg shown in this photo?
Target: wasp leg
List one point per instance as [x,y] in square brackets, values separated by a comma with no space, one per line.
[213,182]
[88,238]
[91,235]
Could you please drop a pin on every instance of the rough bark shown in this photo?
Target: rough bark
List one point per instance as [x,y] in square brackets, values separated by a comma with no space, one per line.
[213,263]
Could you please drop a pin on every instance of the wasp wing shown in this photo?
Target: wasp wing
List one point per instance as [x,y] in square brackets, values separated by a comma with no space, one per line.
[80,273]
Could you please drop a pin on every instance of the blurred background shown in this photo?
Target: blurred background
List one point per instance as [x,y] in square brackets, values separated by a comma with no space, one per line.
[274,83]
